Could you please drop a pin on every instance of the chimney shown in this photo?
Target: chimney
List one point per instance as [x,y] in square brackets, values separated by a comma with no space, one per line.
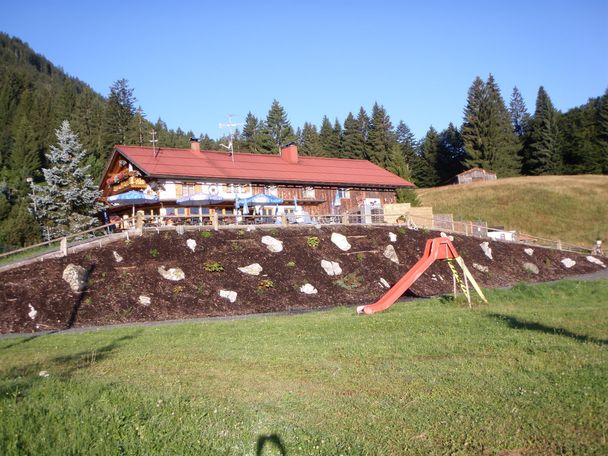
[289,153]
[195,145]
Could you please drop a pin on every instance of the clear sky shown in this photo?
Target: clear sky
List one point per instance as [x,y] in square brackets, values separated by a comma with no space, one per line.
[194,62]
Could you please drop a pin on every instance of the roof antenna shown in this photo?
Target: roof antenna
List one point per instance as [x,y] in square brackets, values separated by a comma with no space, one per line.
[229,125]
[154,141]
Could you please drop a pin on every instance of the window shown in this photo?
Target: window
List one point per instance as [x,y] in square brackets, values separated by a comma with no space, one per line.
[181,211]
[194,211]
[188,189]
[309,192]
[170,211]
[343,193]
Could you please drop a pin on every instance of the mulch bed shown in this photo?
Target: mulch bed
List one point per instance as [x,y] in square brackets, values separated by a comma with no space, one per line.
[113,291]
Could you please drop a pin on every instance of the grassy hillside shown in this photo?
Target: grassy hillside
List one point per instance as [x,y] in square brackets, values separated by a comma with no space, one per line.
[571,208]
[524,375]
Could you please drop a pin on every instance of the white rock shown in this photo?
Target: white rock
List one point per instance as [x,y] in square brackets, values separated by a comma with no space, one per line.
[145,300]
[33,312]
[274,245]
[392,237]
[485,246]
[481,267]
[531,267]
[384,283]
[174,274]
[308,289]
[389,252]
[597,261]
[250,228]
[252,269]
[229,295]
[434,277]
[529,252]
[191,243]
[568,263]
[117,256]
[75,276]
[331,267]
[44,374]
[340,241]
[442,234]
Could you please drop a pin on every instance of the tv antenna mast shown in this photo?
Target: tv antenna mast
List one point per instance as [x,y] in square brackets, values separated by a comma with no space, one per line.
[230,125]
[154,141]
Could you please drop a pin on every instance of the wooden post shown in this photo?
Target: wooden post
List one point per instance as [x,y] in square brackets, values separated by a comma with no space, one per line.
[345,218]
[215,221]
[284,219]
[63,246]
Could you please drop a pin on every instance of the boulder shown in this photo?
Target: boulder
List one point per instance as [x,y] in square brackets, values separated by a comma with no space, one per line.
[33,312]
[272,244]
[308,289]
[481,268]
[529,251]
[568,262]
[594,260]
[331,267]
[145,300]
[76,277]
[389,252]
[252,269]
[191,243]
[44,374]
[531,268]
[174,274]
[229,295]
[384,283]
[485,246]
[117,256]
[340,241]
[442,234]
[392,237]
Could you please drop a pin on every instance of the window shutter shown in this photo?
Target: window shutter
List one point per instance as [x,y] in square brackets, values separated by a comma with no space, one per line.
[178,190]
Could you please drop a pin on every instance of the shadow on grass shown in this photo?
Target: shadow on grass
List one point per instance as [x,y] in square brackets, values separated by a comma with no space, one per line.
[17,380]
[516,323]
[78,303]
[271,439]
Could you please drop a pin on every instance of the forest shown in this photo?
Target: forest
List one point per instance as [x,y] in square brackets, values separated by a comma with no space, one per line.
[36,97]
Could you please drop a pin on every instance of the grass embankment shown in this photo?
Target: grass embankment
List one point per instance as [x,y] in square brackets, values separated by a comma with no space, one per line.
[527,373]
[573,209]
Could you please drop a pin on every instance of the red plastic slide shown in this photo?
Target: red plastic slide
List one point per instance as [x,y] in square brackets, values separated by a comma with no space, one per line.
[436,249]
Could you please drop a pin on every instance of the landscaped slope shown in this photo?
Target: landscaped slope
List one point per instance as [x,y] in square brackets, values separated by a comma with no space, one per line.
[36,297]
[573,209]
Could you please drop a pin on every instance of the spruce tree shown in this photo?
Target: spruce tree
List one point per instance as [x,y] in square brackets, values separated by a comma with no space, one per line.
[602,132]
[424,172]
[407,141]
[310,144]
[398,166]
[327,138]
[450,155]
[278,126]
[119,113]
[380,138]
[250,130]
[519,113]
[353,142]
[68,203]
[542,155]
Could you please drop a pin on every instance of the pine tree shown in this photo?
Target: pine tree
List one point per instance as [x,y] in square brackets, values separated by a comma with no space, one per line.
[18,229]
[602,132]
[353,142]
[249,132]
[330,145]
[278,126]
[380,138]
[424,173]
[398,166]
[310,143]
[68,203]
[407,141]
[542,154]
[451,154]
[519,113]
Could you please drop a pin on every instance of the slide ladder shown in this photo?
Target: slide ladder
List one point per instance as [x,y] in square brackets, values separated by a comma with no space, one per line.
[440,248]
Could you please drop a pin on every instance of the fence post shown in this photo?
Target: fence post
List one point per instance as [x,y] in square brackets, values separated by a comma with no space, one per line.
[215,221]
[345,218]
[559,244]
[63,246]
[284,219]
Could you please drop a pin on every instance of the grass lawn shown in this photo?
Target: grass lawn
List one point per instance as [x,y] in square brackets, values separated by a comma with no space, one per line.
[527,374]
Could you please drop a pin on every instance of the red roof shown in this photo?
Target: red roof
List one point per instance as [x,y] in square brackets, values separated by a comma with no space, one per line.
[188,163]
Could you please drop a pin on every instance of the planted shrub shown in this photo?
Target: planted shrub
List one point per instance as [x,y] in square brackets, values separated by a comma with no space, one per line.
[349,281]
[291,264]
[313,242]
[265,284]
[206,234]
[154,253]
[360,257]
[213,266]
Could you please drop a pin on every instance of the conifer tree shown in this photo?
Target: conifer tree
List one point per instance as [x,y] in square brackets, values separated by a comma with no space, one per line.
[380,138]
[278,126]
[119,113]
[398,166]
[542,155]
[68,203]
[310,144]
[425,171]
[450,154]
[519,113]
[250,130]
[407,141]
[602,132]
[327,138]
[353,142]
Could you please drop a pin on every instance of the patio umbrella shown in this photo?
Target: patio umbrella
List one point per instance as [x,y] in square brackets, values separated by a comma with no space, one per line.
[295,204]
[199,199]
[245,207]
[132,198]
[262,199]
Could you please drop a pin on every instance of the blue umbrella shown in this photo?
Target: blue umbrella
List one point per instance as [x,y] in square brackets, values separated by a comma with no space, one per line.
[131,198]
[295,203]
[245,207]
[199,199]
[263,199]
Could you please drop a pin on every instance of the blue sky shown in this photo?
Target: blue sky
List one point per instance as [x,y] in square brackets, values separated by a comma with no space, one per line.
[192,63]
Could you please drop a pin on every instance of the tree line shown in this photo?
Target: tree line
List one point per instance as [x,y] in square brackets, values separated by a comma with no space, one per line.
[36,97]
